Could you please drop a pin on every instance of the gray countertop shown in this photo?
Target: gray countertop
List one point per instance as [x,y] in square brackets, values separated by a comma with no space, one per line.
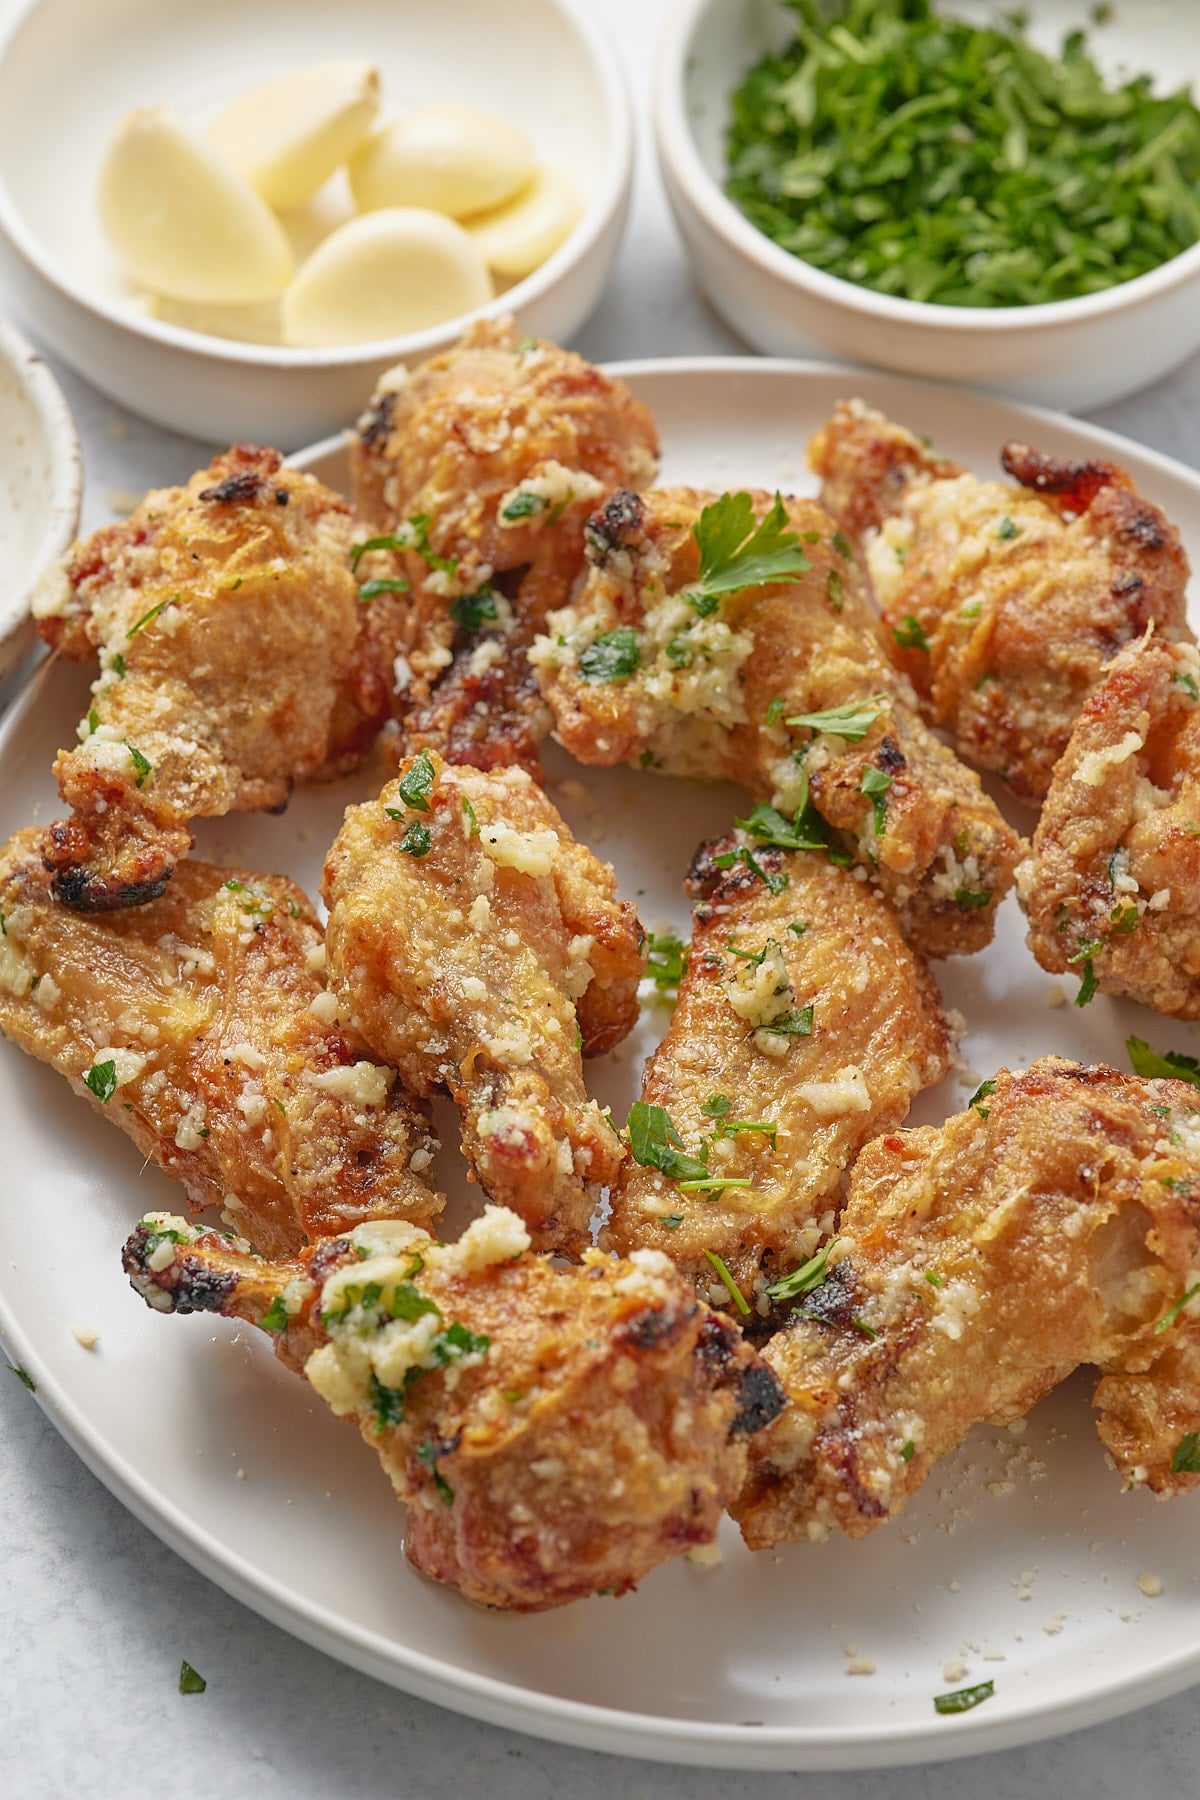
[96,1613]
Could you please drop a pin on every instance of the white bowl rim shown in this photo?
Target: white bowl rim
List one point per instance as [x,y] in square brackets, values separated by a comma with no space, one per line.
[57,427]
[678,151]
[597,216]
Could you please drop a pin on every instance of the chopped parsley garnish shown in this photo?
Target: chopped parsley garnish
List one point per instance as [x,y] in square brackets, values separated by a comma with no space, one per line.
[730,1285]
[417,839]
[1088,983]
[863,1329]
[875,784]
[1185,679]
[470,816]
[189,1681]
[141,764]
[851,722]
[93,719]
[774,710]
[412,535]
[1168,1319]
[22,1375]
[981,1093]
[736,554]
[678,654]
[383,584]
[909,634]
[833,589]
[471,610]
[1173,1066]
[775,882]
[1186,1460]
[418,783]
[963,1699]
[276,1317]
[523,505]
[102,1079]
[798,927]
[793,1024]
[655,1144]
[117,664]
[968,898]
[612,657]
[147,617]
[666,961]
[1007,530]
[1124,919]
[842,545]
[934,1279]
[908,1450]
[808,1276]
[672,1221]
[428,1454]
[388,1403]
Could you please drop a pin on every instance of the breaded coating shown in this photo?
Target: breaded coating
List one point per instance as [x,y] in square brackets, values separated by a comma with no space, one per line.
[1003,604]
[1112,887]
[804,1027]
[200,1024]
[556,1431]
[645,668]
[224,615]
[483,465]
[479,948]
[1054,1223]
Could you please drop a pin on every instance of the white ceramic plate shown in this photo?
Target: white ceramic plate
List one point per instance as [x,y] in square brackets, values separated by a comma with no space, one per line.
[742,1665]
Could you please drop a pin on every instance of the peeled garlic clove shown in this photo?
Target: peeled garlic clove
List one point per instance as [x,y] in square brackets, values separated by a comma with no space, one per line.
[382,275]
[517,238]
[184,222]
[289,135]
[451,158]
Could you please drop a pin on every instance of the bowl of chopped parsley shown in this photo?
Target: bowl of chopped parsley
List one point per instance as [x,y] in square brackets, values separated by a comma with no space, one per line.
[942,187]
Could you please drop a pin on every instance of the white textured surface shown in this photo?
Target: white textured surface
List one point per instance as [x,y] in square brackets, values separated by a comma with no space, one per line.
[97,1614]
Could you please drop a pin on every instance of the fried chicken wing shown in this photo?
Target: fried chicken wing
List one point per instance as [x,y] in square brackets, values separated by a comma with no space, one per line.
[200,1024]
[1003,604]
[1054,1223]
[478,947]
[804,1027]
[556,1432]
[1112,887]
[782,687]
[483,465]
[225,616]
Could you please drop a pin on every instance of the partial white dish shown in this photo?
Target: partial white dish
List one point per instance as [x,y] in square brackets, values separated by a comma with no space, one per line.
[1020,1549]
[546,64]
[1073,354]
[41,479]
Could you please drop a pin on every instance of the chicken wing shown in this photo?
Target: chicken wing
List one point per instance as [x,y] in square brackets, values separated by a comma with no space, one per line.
[201,1025]
[1054,1223]
[682,653]
[804,1027]
[481,467]
[1003,603]
[1112,887]
[478,947]
[556,1432]
[225,616]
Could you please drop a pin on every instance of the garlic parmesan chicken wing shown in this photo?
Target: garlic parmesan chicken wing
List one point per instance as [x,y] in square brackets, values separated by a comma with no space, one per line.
[481,467]
[1112,887]
[556,1431]
[804,1027]
[1054,1223]
[1003,603]
[224,615]
[200,1024]
[479,948]
[728,638]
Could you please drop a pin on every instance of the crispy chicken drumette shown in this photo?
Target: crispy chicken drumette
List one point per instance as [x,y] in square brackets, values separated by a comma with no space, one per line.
[1002,603]
[1054,1223]
[483,465]
[556,1432]
[224,615]
[686,650]
[804,1027]
[200,1024]
[1112,888]
[478,947]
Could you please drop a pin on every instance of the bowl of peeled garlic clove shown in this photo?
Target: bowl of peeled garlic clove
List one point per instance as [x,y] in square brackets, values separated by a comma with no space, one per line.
[238,248]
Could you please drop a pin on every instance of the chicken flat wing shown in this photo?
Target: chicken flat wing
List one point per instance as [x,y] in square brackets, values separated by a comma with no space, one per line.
[1003,604]
[556,1432]
[200,1024]
[804,1027]
[1054,1223]
[478,947]
[683,652]
[224,615]
[1112,887]
[482,466]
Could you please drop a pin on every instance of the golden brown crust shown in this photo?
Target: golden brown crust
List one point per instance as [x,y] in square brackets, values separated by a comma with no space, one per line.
[711,697]
[1056,1222]
[877,1035]
[1113,881]
[1003,604]
[487,958]
[210,1005]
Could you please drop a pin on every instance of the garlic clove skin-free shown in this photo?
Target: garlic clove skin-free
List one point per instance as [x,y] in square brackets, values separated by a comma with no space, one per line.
[287,136]
[450,158]
[383,275]
[184,222]
[517,238]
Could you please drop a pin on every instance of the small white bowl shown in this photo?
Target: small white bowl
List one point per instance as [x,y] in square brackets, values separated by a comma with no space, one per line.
[41,478]
[1069,354]
[544,63]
